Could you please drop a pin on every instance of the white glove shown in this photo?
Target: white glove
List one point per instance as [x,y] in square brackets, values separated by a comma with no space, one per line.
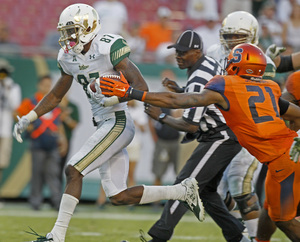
[273,51]
[20,127]
[109,101]
[96,96]
[99,98]
[295,148]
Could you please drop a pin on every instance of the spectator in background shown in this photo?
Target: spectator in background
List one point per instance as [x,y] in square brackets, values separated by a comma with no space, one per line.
[229,6]
[166,140]
[136,43]
[46,138]
[163,55]
[284,9]
[113,16]
[200,9]
[70,119]
[268,19]
[158,31]
[140,119]
[257,5]
[291,28]
[209,31]
[10,99]
[7,46]
[265,37]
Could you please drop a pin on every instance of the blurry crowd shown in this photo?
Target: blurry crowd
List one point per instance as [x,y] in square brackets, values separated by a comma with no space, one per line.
[279,22]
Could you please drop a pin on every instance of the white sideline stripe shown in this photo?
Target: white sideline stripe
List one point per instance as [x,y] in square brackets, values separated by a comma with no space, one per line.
[93,234]
[98,215]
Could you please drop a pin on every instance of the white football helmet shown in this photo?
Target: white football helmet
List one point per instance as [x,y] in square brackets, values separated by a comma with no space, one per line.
[78,25]
[237,28]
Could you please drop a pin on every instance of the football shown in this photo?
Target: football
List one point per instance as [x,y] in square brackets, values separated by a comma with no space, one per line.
[92,84]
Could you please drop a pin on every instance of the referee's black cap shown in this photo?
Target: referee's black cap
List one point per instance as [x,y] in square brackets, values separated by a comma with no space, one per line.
[188,40]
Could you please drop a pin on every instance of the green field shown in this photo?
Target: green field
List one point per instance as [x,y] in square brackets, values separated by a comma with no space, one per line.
[112,224]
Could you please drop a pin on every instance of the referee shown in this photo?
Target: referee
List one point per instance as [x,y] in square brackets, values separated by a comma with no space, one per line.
[217,143]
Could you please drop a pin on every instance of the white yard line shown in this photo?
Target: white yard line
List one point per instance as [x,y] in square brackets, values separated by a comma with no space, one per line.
[95,215]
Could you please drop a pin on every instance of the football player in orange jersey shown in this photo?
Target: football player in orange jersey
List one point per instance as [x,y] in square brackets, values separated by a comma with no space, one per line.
[292,94]
[253,108]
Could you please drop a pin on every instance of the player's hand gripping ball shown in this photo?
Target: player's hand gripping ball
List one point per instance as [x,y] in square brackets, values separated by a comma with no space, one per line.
[94,83]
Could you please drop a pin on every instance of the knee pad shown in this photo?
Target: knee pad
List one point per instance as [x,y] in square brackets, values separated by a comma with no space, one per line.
[248,203]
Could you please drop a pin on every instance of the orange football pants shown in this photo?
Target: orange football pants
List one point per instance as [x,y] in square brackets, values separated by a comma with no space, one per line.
[282,188]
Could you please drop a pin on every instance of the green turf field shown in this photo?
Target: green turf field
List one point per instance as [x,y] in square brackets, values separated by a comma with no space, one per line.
[112,224]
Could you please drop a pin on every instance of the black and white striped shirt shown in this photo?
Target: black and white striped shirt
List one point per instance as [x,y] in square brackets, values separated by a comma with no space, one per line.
[209,118]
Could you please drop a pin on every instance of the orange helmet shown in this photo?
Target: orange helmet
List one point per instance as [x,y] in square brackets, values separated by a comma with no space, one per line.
[247,60]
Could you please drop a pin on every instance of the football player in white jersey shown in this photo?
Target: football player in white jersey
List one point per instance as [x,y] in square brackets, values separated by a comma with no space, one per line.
[240,176]
[84,56]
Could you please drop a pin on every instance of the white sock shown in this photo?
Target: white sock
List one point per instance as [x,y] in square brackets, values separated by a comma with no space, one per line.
[67,206]
[157,193]
[251,226]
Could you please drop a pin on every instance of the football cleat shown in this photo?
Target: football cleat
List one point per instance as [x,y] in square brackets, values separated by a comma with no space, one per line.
[40,238]
[192,198]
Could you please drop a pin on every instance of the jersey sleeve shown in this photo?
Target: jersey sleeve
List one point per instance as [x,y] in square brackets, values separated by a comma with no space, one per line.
[119,51]
[216,84]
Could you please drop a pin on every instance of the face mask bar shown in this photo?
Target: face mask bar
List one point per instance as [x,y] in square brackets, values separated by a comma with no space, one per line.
[230,40]
[69,37]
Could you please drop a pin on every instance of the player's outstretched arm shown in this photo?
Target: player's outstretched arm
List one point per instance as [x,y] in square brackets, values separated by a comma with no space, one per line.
[161,99]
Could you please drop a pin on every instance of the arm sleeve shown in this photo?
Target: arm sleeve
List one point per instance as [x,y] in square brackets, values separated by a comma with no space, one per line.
[283,105]
[286,64]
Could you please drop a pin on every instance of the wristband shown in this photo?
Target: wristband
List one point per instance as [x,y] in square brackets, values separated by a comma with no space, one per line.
[31,116]
[136,94]
[286,64]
